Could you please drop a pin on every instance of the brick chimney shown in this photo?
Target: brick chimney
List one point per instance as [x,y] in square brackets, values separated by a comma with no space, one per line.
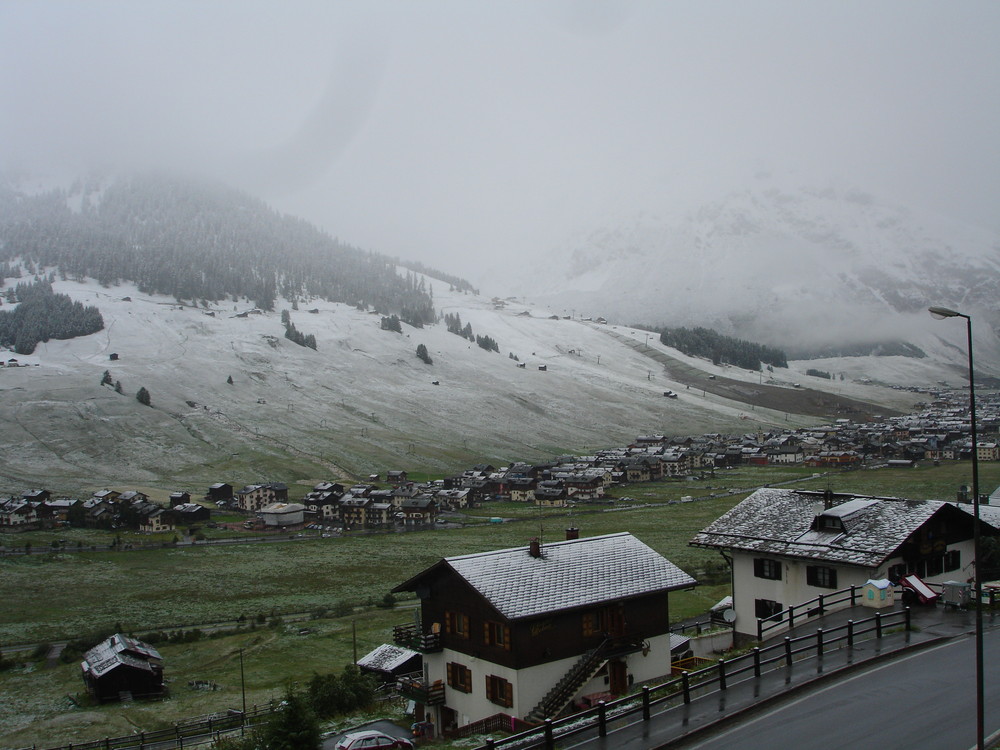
[572,533]
[535,547]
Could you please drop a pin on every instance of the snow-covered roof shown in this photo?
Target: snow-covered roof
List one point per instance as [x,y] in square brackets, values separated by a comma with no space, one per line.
[119,650]
[568,574]
[780,522]
[386,658]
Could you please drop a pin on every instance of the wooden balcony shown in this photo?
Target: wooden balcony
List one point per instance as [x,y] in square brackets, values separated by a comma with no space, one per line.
[414,688]
[409,636]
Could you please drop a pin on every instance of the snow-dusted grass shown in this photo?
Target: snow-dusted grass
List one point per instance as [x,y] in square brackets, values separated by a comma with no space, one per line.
[361,403]
[37,710]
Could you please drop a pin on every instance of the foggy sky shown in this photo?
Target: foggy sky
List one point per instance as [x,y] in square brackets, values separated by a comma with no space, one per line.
[462,133]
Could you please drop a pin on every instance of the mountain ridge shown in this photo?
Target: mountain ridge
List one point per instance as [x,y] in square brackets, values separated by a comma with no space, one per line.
[798,268]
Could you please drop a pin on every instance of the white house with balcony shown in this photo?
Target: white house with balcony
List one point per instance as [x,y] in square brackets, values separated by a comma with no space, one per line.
[788,547]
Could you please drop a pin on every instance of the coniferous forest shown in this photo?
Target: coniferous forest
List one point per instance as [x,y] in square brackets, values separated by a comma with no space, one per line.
[704,342]
[198,243]
[42,315]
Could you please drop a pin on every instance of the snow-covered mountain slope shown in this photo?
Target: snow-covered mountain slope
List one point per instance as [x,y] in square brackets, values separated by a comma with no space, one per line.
[361,402]
[796,268]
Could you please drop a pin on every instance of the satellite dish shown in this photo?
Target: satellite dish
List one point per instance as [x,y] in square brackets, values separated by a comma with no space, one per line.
[729,615]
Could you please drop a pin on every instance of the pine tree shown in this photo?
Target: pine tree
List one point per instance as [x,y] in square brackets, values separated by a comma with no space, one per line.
[294,727]
[229,380]
[423,354]
[142,396]
[118,386]
[106,378]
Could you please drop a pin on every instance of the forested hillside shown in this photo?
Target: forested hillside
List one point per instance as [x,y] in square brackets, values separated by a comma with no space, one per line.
[704,342]
[199,243]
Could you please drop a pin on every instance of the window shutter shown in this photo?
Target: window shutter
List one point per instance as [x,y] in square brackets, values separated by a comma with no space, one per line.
[451,673]
[486,633]
[508,694]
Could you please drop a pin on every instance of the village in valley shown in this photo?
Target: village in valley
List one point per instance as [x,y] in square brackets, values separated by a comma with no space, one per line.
[939,432]
[507,640]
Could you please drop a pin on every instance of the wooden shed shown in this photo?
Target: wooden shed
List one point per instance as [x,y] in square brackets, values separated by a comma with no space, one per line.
[122,667]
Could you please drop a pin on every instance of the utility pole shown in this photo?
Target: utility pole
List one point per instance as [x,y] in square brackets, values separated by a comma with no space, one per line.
[243,686]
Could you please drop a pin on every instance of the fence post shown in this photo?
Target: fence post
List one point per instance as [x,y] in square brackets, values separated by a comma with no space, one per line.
[645,702]
[878,624]
[756,661]
[906,611]
[820,597]
[760,629]
[602,719]
[489,742]
[788,651]
[819,643]
[686,687]
[853,594]
[722,674]
[549,740]
[850,633]
[791,616]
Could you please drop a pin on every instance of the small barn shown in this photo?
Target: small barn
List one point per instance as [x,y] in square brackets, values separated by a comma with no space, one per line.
[122,667]
[388,662]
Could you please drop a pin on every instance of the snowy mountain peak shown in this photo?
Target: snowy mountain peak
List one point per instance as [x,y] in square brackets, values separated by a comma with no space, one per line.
[801,268]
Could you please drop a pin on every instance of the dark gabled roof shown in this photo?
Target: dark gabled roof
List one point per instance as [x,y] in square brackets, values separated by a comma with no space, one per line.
[120,650]
[567,575]
[780,522]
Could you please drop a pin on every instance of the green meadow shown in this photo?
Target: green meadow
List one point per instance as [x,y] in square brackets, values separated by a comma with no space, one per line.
[340,582]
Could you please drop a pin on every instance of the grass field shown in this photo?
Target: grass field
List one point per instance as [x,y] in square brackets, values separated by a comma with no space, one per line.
[61,594]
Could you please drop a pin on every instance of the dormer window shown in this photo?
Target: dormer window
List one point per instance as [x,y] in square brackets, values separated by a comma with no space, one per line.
[824,522]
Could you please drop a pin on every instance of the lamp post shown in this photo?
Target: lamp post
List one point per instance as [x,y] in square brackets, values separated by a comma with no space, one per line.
[940,313]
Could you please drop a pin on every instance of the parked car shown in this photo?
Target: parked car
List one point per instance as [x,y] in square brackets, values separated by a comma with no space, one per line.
[372,740]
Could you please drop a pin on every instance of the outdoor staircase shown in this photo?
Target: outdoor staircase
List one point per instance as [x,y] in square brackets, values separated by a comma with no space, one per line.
[559,696]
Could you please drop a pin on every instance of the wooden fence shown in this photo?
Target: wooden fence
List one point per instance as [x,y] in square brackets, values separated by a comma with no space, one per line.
[191,733]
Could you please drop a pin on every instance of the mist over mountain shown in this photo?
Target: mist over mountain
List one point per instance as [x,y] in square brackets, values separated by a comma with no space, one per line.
[195,241]
[261,349]
[817,272]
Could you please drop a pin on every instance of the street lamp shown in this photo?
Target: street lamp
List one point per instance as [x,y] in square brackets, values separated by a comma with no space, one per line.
[941,313]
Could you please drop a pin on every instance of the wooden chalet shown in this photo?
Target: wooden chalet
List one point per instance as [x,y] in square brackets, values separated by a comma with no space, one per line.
[530,630]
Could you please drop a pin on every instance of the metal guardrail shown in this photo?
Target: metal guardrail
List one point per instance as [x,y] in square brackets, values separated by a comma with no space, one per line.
[820,604]
[815,606]
[756,661]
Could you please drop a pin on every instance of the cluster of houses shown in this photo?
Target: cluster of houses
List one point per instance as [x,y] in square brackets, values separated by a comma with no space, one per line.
[940,431]
[105,509]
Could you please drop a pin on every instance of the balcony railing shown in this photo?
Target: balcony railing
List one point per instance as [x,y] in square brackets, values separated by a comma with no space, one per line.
[409,636]
[415,688]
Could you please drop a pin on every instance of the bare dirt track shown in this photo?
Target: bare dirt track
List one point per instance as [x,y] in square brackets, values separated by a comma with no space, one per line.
[804,401]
